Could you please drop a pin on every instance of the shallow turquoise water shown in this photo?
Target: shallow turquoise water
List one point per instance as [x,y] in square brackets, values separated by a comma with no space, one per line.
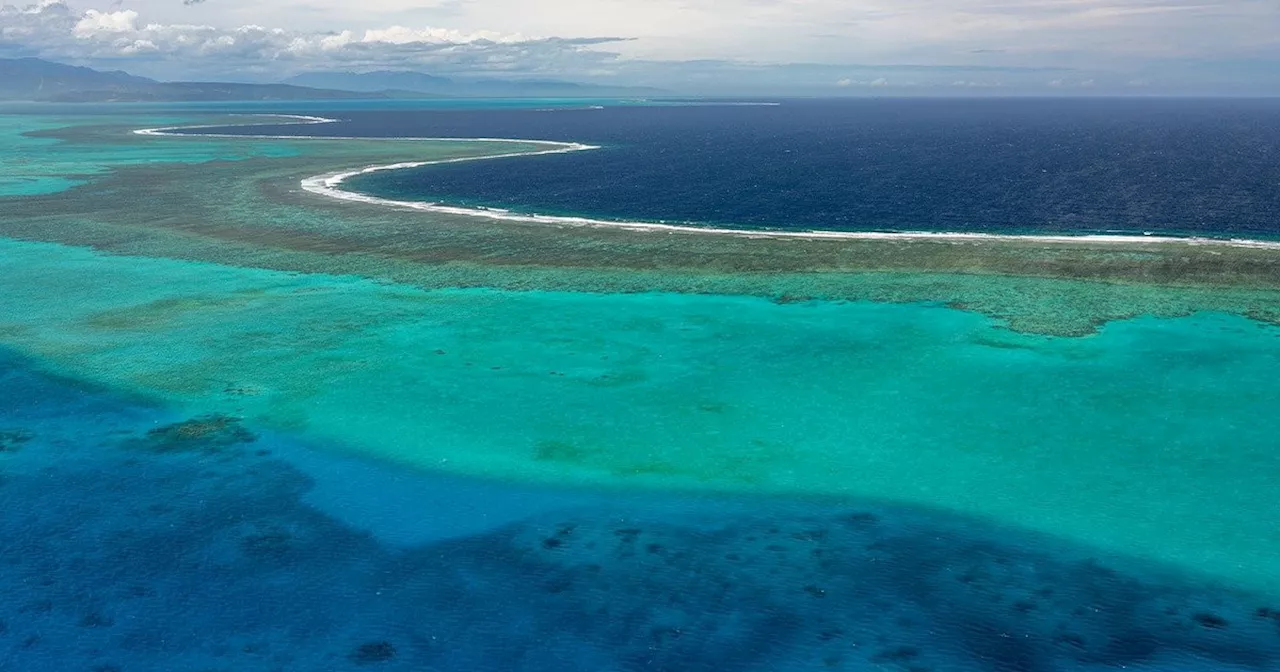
[40,165]
[236,468]
[1153,438]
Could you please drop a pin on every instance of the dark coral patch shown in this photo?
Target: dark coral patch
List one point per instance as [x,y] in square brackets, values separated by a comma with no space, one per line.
[861,520]
[95,619]
[558,584]
[661,636]
[12,440]
[560,451]
[628,534]
[206,433]
[897,654]
[373,652]
[810,535]
[1267,613]
[1208,620]
[272,543]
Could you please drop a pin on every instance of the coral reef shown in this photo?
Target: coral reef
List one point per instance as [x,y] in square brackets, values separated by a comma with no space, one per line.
[207,433]
[135,563]
[886,589]
[12,440]
[373,652]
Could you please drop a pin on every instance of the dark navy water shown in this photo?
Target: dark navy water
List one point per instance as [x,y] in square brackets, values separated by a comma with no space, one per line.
[1009,166]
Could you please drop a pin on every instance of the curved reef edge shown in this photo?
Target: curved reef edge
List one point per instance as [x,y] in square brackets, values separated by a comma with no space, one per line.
[330,184]
[249,211]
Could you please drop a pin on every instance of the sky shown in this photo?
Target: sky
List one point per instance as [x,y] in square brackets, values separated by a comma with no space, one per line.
[810,47]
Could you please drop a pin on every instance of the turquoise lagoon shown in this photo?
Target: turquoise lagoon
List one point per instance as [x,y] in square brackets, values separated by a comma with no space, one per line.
[1147,445]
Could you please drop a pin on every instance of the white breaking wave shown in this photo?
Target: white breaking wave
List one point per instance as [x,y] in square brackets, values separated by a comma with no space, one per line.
[298,119]
[329,184]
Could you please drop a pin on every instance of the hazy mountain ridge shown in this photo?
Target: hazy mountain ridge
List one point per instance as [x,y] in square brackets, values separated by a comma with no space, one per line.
[24,77]
[37,79]
[40,80]
[422,83]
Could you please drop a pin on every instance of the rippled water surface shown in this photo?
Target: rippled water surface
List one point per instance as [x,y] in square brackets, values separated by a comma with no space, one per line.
[1025,166]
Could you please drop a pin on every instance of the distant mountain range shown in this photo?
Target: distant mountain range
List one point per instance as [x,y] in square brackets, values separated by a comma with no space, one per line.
[36,79]
[393,82]
[41,80]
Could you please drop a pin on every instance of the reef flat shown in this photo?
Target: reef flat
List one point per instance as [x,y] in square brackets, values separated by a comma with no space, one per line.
[252,211]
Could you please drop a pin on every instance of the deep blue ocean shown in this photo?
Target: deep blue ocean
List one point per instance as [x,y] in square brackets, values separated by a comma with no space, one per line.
[1007,166]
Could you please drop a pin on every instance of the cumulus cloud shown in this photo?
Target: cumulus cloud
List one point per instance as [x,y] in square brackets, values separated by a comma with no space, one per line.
[53,29]
[104,22]
[701,44]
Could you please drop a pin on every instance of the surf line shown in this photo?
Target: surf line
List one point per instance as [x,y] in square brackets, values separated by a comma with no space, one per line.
[294,120]
[329,184]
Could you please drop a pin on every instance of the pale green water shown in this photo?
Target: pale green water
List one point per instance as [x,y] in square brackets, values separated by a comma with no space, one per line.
[1155,437]
[40,165]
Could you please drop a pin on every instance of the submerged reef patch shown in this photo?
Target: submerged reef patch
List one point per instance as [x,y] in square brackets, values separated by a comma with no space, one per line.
[12,440]
[205,434]
[197,565]
[887,586]
[373,652]
[625,589]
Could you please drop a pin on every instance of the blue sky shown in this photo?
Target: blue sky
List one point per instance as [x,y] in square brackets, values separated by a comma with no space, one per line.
[837,47]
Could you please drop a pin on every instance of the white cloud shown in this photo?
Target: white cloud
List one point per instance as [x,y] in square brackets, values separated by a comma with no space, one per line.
[1013,32]
[55,30]
[563,38]
[139,47]
[95,22]
[403,35]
